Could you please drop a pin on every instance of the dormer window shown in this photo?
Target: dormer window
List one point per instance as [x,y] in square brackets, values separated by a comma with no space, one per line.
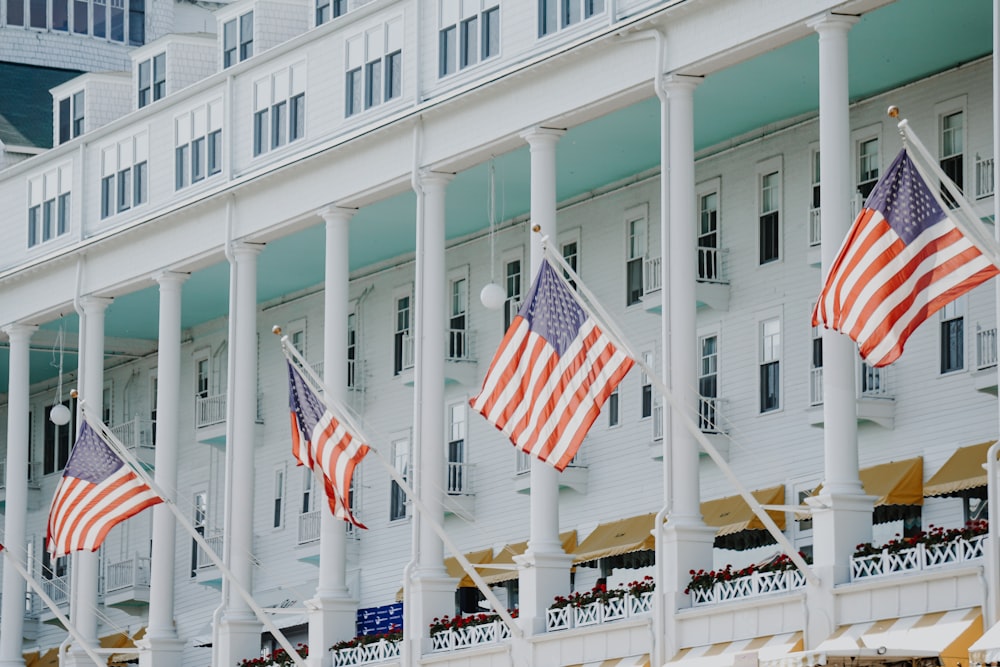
[152,79]
[329,9]
[237,40]
[71,110]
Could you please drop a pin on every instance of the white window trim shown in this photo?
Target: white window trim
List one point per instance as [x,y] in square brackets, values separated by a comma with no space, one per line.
[395,440]
[957,309]
[453,14]
[405,290]
[280,87]
[946,108]
[762,169]
[55,181]
[198,123]
[117,156]
[637,213]
[299,326]
[375,42]
[859,136]
[574,236]
[282,496]
[759,320]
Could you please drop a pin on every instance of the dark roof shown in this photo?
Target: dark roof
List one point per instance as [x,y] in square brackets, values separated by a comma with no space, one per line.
[25,103]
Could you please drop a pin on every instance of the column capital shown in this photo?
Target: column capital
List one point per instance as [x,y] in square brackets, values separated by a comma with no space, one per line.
[19,331]
[93,305]
[246,249]
[675,83]
[540,136]
[829,21]
[434,178]
[334,213]
[170,278]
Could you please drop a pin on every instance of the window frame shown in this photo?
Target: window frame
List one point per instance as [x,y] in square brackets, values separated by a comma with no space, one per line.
[198,150]
[557,15]
[766,206]
[707,412]
[953,348]
[402,461]
[635,218]
[942,111]
[236,45]
[708,269]
[279,488]
[279,108]
[124,174]
[770,351]
[373,66]
[399,332]
[457,49]
[49,204]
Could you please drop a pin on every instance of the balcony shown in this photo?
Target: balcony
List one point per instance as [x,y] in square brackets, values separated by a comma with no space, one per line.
[366,654]
[574,477]
[984,177]
[920,557]
[469,636]
[126,583]
[710,419]
[749,586]
[875,403]
[58,589]
[598,613]
[206,573]
[137,435]
[310,532]
[985,375]
[460,361]
[711,290]
[461,498]
[34,485]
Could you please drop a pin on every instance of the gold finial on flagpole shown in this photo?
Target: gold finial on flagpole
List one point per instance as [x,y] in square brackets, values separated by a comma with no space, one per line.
[74,393]
[893,111]
[537,229]
[276,330]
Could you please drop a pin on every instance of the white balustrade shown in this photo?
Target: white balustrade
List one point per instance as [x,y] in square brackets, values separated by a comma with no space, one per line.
[748,586]
[597,613]
[210,410]
[309,527]
[128,573]
[873,382]
[461,345]
[918,557]
[657,422]
[407,360]
[215,541]
[816,386]
[459,478]
[471,635]
[815,227]
[651,275]
[986,348]
[710,414]
[984,177]
[378,651]
[710,268]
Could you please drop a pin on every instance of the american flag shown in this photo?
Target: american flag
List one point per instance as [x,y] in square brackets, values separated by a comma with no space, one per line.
[323,443]
[97,491]
[551,374]
[903,260]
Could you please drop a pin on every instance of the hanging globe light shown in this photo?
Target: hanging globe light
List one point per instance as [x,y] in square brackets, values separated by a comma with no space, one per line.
[59,414]
[492,296]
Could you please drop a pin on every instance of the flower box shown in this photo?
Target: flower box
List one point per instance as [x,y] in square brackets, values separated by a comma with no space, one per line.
[918,557]
[470,635]
[364,654]
[613,608]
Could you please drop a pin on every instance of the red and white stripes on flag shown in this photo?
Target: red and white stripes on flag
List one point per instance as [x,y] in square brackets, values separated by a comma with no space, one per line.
[550,376]
[323,443]
[97,491]
[903,260]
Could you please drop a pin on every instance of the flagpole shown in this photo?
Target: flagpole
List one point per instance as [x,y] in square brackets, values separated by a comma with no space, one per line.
[594,309]
[124,454]
[53,607]
[481,584]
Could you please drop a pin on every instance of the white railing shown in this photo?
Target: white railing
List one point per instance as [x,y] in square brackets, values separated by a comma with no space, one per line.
[816,386]
[657,422]
[136,433]
[215,541]
[379,651]
[57,588]
[470,635]
[524,462]
[210,410]
[128,573]
[984,177]
[748,586]
[461,345]
[710,267]
[651,275]
[920,557]
[407,351]
[986,347]
[710,414]
[815,227]
[873,382]
[459,479]
[596,613]
[309,523]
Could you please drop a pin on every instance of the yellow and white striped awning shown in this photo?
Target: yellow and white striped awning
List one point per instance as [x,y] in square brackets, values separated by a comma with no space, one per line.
[633,661]
[726,654]
[946,635]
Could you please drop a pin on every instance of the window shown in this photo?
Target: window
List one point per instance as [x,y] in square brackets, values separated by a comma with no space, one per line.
[635,255]
[352,350]
[952,147]
[154,393]
[15,12]
[770,364]
[469,33]
[152,79]
[708,383]
[199,521]
[953,336]
[237,40]
[647,387]
[401,462]
[329,9]
[107,403]
[307,490]
[512,283]
[569,246]
[769,229]
[555,15]
[49,205]
[81,17]
[124,175]
[868,166]
[297,336]
[71,116]
[60,15]
[374,67]
[458,337]
[613,413]
[198,144]
[54,568]
[816,368]
[802,529]
[57,440]
[279,109]
[815,223]
[708,236]
[201,378]
[279,497]
[100,17]
[457,418]
[402,342]
[137,22]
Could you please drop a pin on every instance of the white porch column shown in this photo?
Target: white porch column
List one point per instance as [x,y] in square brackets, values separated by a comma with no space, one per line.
[239,634]
[162,647]
[334,614]
[687,542]
[847,522]
[16,510]
[85,573]
[433,590]
[544,571]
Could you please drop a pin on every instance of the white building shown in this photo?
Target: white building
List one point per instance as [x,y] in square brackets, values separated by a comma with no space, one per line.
[356,172]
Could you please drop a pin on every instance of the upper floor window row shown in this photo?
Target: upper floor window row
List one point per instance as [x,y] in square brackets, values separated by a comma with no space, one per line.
[49,204]
[125,175]
[554,15]
[152,79]
[237,39]
[374,67]
[71,116]
[329,9]
[198,144]
[279,115]
[115,20]
[469,33]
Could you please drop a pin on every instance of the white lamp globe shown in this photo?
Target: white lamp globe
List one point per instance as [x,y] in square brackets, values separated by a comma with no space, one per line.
[59,415]
[492,296]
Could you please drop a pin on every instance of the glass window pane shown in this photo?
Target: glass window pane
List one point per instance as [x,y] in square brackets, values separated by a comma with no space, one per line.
[38,9]
[15,12]
[60,15]
[100,17]
[117,32]
[491,32]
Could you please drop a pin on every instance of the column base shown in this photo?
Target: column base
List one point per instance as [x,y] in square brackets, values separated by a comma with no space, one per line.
[166,651]
[238,638]
[688,545]
[432,596]
[332,618]
[76,659]
[542,577]
[840,521]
